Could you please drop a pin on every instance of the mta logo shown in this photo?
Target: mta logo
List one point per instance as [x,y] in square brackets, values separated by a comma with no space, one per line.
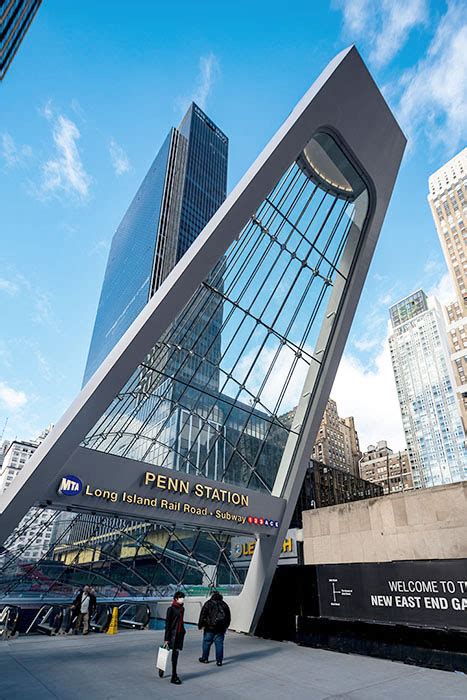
[70,486]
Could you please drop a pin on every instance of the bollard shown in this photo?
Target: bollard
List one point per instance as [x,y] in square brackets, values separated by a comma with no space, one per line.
[113,627]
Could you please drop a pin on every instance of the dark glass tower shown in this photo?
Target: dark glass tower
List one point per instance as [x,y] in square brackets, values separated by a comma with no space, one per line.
[16,17]
[184,187]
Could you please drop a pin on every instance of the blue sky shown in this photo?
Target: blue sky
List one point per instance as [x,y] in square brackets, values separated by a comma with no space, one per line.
[88,101]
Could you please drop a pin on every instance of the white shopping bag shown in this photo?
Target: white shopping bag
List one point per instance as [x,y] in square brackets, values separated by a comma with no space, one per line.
[162,658]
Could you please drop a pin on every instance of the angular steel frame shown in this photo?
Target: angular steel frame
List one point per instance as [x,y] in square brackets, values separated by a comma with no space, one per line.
[346,102]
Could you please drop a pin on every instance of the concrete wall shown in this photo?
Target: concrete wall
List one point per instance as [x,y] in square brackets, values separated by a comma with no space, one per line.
[424,524]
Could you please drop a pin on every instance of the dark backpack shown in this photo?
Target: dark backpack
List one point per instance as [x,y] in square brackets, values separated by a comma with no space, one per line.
[217,618]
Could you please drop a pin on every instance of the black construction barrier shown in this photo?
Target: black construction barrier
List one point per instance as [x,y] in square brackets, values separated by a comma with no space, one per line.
[412,611]
[428,593]
[435,648]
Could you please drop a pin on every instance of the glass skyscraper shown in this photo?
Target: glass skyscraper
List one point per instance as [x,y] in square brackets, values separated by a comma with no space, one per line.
[426,391]
[16,17]
[182,190]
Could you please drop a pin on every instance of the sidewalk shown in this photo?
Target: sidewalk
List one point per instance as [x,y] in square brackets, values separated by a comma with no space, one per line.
[122,667]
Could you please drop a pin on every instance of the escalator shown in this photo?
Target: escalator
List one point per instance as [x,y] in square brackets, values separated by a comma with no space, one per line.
[134,616]
[48,620]
[100,621]
[9,619]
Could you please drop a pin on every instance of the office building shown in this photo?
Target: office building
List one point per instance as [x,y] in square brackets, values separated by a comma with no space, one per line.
[448,202]
[31,539]
[391,470]
[15,19]
[337,444]
[426,391]
[326,486]
[182,190]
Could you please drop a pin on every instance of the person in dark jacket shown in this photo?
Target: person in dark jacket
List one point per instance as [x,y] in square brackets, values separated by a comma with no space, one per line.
[84,606]
[214,619]
[175,632]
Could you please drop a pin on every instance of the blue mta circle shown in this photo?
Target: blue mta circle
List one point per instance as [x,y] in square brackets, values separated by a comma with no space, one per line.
[70,485]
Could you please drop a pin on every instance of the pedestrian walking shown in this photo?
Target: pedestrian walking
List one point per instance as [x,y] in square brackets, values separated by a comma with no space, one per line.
[175,632]
[214,619]
[84,606]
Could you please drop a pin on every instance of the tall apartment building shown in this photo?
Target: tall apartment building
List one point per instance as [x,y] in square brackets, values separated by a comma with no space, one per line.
[391,470]
[31,538]
[448,202]
[337,444]
[15,19]
[426,391]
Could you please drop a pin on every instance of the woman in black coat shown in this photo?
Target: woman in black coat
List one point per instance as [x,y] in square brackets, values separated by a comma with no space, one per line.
[175,632]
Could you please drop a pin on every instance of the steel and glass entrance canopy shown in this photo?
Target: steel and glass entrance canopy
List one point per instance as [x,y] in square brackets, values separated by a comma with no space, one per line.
[205,412]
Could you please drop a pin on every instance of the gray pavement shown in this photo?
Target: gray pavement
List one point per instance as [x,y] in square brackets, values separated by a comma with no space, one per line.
[103,667]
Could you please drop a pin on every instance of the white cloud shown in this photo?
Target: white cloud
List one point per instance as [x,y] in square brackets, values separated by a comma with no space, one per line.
[399,17]
[13,154]
[120,160]
[100,247]
[11,399]
[443,290]
[209,71]
[8,286]
[43,365]
[356,15]
[367,391]
[43,311]
[256,367]
[64,172]
[433,94]
[384,25]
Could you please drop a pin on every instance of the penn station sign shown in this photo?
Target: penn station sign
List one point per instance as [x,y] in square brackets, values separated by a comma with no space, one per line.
[98,482]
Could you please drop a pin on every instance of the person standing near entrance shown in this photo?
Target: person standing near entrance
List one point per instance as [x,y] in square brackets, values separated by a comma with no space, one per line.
[214,619]
[84,606]
[175,632]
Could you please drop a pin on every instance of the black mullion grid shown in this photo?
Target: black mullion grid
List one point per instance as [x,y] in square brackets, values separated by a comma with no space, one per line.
[188,552]
[17,532]
[191,411]
[250,413]
[317,306]
[25,527]
[304,238]
[111,558]
[135,381]
[34,567]
[99,520]
[289,189]
[139,544]
[313,317]
[333,265]
[321,229]
[237,252]
[296,176]
[149,548]
[291,207]
[231,266]
[224,557]
[169,530]
[157,441]
[258,353]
